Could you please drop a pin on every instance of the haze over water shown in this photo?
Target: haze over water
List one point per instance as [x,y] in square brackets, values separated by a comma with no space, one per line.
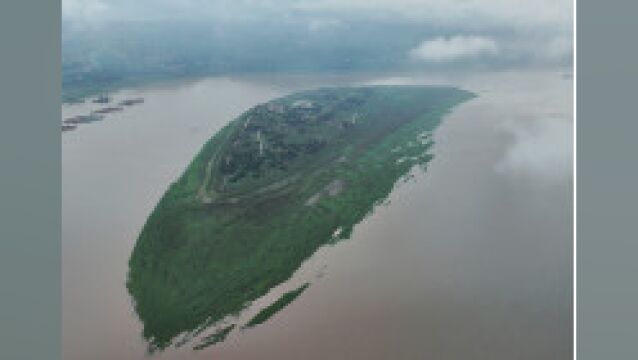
[471,259]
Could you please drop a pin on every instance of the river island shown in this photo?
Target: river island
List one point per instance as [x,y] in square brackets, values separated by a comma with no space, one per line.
[264,193]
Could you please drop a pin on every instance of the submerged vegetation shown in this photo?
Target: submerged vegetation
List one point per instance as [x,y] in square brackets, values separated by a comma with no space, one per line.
[275,307]
[266,191]
[218,336]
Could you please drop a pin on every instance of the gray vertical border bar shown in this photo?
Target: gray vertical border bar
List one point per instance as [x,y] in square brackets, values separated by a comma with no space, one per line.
[607,180]
[30,181]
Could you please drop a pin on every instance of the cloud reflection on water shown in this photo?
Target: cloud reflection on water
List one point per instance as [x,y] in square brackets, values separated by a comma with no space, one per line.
[542,149]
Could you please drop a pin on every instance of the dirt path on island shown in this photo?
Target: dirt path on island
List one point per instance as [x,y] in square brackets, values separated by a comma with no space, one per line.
[202,193]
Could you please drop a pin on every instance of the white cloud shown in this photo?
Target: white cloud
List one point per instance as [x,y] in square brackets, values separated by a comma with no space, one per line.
[454,48]
[84,9]
[558,48]
[511,12]
[321,24]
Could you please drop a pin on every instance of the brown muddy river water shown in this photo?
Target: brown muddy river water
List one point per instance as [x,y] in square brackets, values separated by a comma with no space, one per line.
[471,259]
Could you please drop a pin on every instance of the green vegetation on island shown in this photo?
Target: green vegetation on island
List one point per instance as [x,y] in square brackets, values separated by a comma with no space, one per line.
[269,189]
[277,306]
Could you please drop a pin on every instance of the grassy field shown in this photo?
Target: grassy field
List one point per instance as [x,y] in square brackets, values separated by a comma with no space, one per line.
[272,199]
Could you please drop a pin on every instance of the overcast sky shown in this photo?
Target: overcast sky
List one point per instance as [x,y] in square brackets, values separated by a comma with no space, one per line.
[481,30]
